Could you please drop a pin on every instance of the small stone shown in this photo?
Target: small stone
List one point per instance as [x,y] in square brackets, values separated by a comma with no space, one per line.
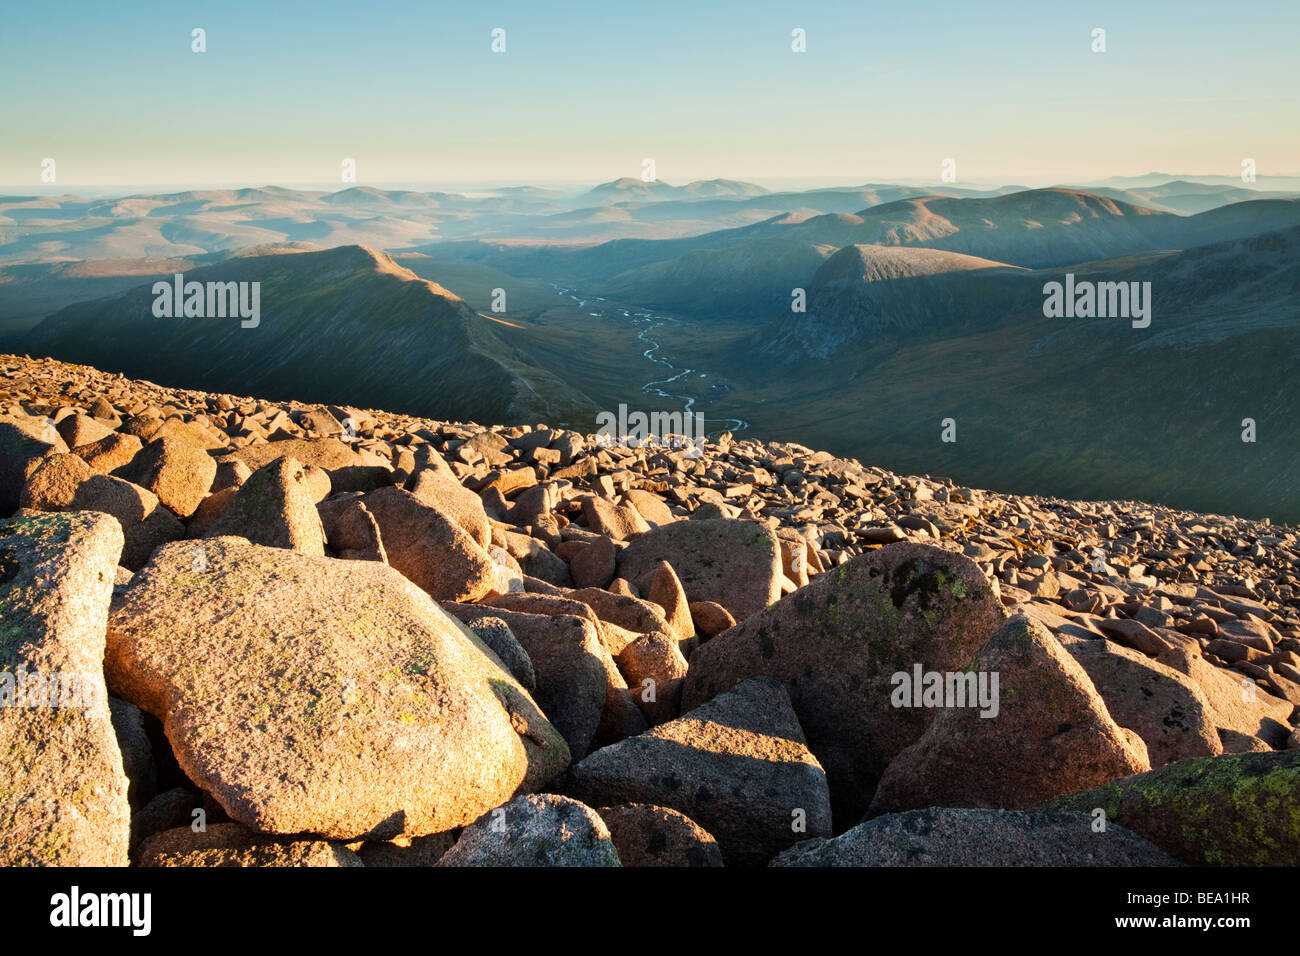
[646,835]
[535,830]
[275,508]
[177,472]
[737,765]
[229,844]
[710,618]
[962,837]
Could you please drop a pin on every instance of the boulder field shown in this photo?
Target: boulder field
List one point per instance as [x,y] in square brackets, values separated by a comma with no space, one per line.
[237,632]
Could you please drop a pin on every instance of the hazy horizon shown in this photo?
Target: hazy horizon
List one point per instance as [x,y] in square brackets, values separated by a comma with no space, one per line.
[572,187]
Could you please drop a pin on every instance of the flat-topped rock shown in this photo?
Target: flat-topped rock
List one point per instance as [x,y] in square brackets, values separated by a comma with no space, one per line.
[340,701]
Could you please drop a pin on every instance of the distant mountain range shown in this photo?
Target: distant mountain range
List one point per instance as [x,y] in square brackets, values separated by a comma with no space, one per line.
[918,306]
[754,269]
[1284,183]
[627,188]
[1188,198]
[208,221]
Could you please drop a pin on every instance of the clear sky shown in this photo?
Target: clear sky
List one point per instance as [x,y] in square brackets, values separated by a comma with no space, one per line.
[585,90]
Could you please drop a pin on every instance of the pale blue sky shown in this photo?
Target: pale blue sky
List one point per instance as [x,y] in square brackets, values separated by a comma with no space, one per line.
[1010,90]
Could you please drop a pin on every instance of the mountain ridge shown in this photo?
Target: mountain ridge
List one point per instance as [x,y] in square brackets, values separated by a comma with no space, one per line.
[412,343]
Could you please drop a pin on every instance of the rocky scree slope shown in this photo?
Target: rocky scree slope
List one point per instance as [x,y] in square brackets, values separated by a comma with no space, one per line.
[338,637]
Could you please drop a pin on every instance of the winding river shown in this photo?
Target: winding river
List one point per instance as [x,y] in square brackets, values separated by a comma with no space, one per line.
[648,323]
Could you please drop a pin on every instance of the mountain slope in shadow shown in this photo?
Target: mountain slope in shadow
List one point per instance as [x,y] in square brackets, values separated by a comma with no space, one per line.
[344,325]
[1076,407]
